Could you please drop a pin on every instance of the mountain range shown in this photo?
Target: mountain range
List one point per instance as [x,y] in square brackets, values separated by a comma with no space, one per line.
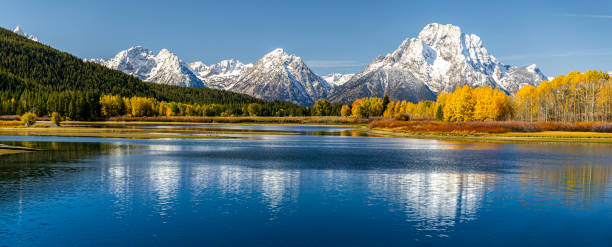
[439,59]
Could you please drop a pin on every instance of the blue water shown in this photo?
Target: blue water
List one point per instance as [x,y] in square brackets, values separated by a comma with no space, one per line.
[296,190]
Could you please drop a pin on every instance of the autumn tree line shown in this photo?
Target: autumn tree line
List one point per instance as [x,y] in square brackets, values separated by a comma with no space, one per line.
[576,97]
[144,106]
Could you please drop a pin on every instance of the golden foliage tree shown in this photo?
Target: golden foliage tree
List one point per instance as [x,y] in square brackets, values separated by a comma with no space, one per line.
[345,111]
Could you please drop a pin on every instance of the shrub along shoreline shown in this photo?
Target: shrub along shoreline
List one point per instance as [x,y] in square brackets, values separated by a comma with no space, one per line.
[500,131]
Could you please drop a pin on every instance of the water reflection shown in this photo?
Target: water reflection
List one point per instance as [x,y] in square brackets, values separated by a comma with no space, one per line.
[278,186]
[435,201]
[395,188]
[164,177]
[574,185]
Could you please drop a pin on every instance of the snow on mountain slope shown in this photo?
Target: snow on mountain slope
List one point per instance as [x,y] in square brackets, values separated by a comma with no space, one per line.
[19,31]
[439,59]
[518,77]
[221,75]
[337,79]
[442,57]
[280,76]
[163,68]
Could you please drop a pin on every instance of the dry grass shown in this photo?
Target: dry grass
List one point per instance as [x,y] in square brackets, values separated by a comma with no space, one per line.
[11,123]
[7,151]
[561,134]
[256,120]
[10,117]
[133,132]
[493,127]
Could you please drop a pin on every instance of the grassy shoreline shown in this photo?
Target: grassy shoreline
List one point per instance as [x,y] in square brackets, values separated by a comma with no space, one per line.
[132,133]
[134,129]
[302,121]
[8,151]
[511,137]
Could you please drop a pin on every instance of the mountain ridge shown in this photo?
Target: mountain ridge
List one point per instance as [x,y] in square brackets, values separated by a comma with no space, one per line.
[439,59]
[163,68]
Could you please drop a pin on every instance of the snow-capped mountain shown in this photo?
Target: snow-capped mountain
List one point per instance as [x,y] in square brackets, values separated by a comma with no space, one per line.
[337,79]
[19,31]
[163,68]
[518,77]
[441,58]
[221,75]
[280,76]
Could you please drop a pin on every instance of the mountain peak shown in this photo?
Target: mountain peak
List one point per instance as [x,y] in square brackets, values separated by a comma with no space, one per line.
[439,30]
[276,53]
[280,76]
[20,31]
[136,50]
[166,53]
[441,58]
[165,68]
[435,34]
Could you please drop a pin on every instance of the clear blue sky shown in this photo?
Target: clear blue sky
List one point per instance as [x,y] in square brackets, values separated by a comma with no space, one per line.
[332,36]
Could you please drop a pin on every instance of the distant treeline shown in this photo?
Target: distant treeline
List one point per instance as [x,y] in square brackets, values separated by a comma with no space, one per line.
[91,104]
[111,106]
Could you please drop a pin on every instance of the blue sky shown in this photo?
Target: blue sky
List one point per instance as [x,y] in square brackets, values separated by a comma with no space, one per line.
[331,36]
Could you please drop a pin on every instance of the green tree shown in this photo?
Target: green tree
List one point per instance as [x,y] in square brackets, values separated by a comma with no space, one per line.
[254,109]
[321,108]
[28,119]
[56,118]
[112,105]
[440,113]
[385,102]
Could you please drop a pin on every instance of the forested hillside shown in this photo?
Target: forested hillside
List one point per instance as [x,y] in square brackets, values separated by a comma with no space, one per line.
[35,77]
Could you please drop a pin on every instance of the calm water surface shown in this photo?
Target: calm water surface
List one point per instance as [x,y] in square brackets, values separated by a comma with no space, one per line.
[308,189]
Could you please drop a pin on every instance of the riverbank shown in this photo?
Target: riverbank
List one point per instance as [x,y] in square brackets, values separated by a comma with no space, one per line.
[169,127]
[181,127]
[8,149]
[311,120]
[510,137]
[130,131]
